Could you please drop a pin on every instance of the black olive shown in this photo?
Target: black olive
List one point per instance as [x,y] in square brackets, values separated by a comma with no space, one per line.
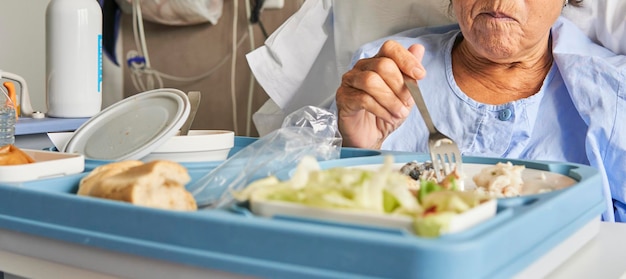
[415,169]
[415,174]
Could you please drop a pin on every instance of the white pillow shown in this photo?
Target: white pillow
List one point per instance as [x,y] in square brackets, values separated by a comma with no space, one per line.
[603,21]
[356,24]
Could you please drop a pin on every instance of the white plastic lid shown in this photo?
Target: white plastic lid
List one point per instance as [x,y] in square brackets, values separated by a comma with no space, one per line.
[132,128]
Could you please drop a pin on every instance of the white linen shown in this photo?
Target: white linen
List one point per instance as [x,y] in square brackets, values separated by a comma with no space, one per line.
[603,21]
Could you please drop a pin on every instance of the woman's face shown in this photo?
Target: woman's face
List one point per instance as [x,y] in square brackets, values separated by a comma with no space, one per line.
[503,30]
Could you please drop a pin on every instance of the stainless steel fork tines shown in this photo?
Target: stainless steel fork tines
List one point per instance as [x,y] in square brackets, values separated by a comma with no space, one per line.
[444,152]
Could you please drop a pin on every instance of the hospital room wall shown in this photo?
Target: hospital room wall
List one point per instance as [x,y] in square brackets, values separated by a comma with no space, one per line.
[193,50]
[22,47]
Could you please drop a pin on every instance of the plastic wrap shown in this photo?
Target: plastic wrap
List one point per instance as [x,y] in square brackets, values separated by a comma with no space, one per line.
[310,131]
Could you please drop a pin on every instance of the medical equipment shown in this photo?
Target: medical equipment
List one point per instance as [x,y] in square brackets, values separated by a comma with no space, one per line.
[144,77]
[23,98]
[255,16]
[73,58]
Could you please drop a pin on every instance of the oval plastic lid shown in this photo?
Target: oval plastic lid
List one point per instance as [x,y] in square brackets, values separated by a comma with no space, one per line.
[131,128]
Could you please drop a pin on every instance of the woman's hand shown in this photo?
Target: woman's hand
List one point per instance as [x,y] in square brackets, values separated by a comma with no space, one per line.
[372,100]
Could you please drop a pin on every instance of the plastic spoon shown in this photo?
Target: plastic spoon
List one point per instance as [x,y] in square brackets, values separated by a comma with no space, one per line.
[194,101]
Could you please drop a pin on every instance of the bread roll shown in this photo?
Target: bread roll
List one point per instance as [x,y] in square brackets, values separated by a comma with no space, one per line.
[159,184]
[11,155]
[103,172]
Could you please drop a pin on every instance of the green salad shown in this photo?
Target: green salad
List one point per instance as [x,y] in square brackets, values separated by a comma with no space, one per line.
[382,191]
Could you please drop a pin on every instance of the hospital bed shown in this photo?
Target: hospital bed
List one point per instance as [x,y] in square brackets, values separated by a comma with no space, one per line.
[39,257]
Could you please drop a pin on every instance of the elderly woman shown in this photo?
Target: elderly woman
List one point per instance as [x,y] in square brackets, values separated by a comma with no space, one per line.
[513,79]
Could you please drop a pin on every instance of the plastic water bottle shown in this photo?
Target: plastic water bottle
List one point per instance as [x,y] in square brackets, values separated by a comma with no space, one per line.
[7,120]
[73,58]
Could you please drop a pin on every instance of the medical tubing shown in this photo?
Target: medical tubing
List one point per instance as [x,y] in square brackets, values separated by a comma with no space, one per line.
[138,69]
[135,63]
[198,77]
[252,79]
[152,75]
[233,65]
[265,34]
[256,11]
[143,56]
[207,73]
[255,16]
[141,45]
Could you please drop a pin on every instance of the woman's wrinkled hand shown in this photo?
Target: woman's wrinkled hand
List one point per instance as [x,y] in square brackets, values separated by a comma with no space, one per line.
[372,100]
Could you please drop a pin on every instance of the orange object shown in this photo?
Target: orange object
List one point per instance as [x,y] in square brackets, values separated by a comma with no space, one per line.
[13,96]
[12,155]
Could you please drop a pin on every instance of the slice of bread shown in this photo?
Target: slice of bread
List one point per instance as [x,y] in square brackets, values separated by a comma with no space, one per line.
[158,184]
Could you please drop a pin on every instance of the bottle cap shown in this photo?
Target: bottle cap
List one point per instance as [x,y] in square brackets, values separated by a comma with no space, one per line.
[38,115]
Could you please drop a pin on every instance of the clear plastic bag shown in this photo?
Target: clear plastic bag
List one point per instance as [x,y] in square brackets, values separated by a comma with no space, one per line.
[310,131]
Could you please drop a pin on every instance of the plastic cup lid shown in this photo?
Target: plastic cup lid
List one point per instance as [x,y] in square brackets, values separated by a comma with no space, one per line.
[131,128]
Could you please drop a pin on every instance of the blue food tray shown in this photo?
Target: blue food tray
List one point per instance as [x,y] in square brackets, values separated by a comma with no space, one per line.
[523,230]
[239,144]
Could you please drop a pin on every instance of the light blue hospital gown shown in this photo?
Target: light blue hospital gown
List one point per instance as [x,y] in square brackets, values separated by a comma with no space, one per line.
[584,95]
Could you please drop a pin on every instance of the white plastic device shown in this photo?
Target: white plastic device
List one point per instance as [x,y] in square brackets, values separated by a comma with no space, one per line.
[273,4]
[24,98]
[73,58]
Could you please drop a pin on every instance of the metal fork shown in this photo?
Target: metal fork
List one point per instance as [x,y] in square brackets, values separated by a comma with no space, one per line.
[444,152]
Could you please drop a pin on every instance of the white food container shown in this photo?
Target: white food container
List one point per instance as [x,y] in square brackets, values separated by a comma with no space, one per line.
[458,223]
[145,127]
[197,146]
[47,164]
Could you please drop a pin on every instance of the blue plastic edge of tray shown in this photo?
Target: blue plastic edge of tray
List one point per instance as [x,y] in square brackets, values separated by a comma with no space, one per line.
[53,214]
[240,143]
